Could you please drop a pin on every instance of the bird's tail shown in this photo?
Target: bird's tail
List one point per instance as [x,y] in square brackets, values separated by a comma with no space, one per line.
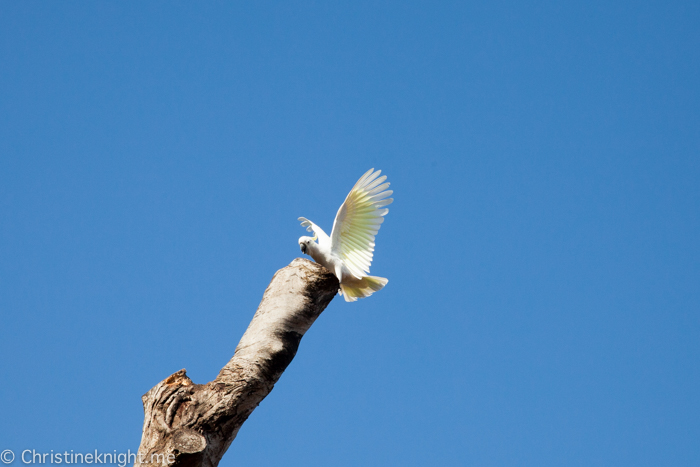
[363,288]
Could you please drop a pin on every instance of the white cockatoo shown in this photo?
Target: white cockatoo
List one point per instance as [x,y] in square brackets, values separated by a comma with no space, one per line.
[349,250]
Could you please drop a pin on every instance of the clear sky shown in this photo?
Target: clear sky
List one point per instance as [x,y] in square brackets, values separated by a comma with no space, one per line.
[543,305]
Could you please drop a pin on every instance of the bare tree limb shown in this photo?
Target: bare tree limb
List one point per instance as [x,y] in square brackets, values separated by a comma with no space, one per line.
[187,424]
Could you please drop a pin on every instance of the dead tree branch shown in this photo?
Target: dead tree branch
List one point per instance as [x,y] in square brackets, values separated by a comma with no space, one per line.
[187,424]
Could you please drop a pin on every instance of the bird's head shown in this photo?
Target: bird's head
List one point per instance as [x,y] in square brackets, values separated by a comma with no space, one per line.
[305,243]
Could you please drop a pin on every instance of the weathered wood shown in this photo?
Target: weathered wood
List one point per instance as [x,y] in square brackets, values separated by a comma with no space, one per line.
[192,425]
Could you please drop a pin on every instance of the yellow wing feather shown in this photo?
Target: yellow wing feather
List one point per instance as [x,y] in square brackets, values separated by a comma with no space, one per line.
[358,221]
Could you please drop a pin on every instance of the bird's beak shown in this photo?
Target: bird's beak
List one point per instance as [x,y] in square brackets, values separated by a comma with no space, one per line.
[303,248]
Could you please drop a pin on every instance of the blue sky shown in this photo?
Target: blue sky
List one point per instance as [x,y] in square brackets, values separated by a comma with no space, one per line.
[542,251]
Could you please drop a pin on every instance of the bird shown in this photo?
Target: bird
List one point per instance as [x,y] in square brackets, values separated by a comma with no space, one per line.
[349,250]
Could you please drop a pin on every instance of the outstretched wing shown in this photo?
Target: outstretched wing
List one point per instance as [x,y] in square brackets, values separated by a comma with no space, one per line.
[358,221]
[323,239]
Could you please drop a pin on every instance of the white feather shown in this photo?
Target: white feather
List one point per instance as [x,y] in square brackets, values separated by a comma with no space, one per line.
[349,250]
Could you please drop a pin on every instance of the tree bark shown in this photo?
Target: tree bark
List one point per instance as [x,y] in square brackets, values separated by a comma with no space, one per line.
[187,424]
